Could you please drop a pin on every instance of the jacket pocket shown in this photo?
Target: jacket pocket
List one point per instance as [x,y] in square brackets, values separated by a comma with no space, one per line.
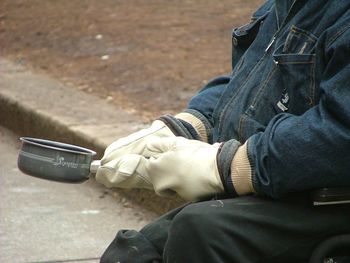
[297,74]
[299,41]
[295,62]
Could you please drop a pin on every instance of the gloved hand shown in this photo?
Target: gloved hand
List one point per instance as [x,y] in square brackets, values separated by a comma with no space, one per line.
[176,165]
[187,167]
[128,171]
[135,142]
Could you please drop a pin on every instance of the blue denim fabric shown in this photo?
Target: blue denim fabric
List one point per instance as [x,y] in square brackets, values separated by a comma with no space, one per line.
[288,95]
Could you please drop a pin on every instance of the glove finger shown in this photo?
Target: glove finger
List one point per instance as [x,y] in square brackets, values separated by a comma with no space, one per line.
[114,172]
[151,152]
[155,147]
[116,149]
[132,138]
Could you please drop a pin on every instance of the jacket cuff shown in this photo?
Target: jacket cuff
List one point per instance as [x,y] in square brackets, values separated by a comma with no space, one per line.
[225,155]
[179,128]
[241,171]
[198,122]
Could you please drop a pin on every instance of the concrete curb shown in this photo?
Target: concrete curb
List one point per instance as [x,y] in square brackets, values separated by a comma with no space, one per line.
[38,106]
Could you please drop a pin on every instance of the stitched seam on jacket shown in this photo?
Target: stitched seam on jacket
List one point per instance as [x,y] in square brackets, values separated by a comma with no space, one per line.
[238,90]
[337,35]
[312,85]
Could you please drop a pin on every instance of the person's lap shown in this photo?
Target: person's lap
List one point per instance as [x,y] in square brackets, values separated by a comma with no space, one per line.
[244,229]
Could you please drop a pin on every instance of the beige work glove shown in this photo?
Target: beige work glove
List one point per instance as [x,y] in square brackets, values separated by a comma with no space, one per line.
[176,165]
[128,171]
[135,142]
[187,167]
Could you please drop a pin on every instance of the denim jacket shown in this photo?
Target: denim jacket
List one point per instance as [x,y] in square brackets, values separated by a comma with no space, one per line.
[288,96]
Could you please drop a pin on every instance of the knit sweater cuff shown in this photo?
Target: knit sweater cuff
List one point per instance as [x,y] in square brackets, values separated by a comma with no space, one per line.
[241,172]
[196,123]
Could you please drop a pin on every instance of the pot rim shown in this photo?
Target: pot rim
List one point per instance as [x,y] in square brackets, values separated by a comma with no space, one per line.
[57,146]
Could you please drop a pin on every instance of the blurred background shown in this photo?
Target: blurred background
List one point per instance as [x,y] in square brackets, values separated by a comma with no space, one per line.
[148,56]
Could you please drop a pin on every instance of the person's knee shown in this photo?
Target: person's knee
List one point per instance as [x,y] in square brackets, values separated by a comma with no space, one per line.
[193,220]
[129,245]
[189,234]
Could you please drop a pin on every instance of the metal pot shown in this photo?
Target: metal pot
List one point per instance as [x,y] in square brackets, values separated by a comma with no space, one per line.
[56,161]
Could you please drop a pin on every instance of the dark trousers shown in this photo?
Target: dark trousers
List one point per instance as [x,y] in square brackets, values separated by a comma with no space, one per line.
[243,230]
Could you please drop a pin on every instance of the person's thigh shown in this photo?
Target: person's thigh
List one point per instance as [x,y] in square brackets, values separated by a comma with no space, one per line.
[251,229]
[144,246]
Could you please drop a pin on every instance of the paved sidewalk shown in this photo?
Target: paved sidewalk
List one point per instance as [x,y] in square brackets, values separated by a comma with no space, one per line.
[38,106]
[43,221]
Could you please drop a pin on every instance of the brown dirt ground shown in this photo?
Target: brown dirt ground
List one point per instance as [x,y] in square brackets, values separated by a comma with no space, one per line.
[159,52]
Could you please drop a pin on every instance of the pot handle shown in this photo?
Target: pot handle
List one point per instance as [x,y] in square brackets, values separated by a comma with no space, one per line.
[94,166]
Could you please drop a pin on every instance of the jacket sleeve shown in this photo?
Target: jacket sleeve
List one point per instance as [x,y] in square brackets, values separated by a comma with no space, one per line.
[204,102]
[200,109]
[196,121]
[298,153]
